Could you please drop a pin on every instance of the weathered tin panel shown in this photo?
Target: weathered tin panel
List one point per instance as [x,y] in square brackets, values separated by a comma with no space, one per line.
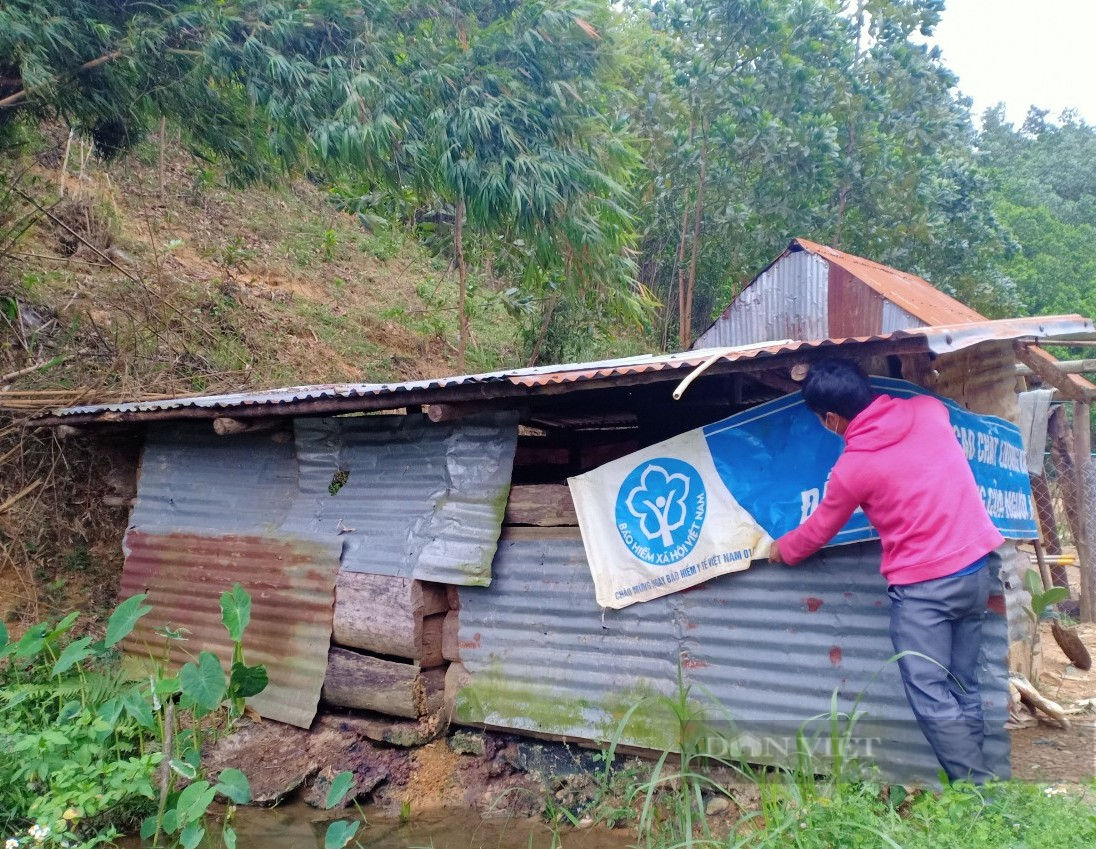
[291,583]
[786,301]
[520,383]
[420,499]
[761,652]
[853,308]
[896,318]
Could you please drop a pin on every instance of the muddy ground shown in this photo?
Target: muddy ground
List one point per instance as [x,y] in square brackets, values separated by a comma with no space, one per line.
[400,763]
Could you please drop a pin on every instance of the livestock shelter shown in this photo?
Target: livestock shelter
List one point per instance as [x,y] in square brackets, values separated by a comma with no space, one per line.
[412,550]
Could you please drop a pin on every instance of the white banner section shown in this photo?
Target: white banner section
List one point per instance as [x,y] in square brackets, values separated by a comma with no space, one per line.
[661,520]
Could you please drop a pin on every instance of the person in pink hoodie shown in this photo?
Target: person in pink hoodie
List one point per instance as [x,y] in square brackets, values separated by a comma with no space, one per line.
[904,466]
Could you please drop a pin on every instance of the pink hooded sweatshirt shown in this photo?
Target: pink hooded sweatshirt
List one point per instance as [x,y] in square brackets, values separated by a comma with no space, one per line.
[903,464]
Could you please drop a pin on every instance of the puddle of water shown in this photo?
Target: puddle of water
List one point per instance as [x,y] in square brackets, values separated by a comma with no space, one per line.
[297,826]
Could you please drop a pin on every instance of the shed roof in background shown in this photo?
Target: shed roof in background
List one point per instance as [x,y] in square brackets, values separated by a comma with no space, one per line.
[516,384]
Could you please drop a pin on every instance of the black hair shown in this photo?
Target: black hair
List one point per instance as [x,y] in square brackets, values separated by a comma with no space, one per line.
[837,386]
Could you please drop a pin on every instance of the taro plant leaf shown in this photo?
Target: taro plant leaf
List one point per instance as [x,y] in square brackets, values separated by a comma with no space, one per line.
[184,769]
[204,682]
[137,707]
[228,835]
[62,626]
[124,618]
[236,611]
[339,833]
[194,800]
[3,636]
[339,788]
[75,652]
[110,710]
[33,641]
[192,835]
[148,827]
[1042,598]
[247,680]
[234,784]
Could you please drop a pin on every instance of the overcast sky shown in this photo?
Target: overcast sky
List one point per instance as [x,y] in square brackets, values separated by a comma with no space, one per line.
[1022,52]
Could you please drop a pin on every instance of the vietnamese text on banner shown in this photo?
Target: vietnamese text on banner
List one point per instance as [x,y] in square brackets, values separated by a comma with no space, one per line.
[709,501]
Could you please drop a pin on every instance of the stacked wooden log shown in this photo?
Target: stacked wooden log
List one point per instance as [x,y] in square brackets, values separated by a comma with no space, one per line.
[387,654]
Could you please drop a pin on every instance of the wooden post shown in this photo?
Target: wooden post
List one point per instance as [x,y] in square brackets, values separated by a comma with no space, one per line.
[360,681]
[1086,503]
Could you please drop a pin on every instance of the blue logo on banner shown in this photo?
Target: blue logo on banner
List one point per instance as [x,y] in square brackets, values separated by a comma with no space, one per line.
[660,510]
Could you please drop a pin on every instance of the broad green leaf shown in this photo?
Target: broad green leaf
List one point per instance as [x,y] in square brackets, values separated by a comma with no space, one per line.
[148,827]
[204,682]
[339,788]
[171,821]
[191,835]
[69,711]
[236,611]
[339,833]
[124,618]
[63,626]
[110,710]
[137,707]
[234,784]
[184,769]
[228,836]
[247,681]
[193,801]
[33,641]
[75,652]
[3,636]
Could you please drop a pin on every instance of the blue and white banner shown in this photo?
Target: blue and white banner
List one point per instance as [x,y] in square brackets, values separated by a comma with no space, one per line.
[707,502]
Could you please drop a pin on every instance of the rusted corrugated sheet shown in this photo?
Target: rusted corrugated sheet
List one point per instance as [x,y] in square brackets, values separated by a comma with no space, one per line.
[763,649]
[420,499]
[853,307]
[913,294]
[521,383]
[291,583]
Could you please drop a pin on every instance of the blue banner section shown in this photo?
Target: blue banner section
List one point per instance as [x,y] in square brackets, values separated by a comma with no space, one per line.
[776,458]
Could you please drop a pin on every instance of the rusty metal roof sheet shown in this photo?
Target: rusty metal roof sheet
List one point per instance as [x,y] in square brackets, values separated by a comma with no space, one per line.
[914,294]
[764,649]
[292,587]
[519,383]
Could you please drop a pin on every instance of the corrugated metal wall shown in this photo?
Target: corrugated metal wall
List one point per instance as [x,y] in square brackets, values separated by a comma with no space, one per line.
[764,649]
[788,301]
[417,499]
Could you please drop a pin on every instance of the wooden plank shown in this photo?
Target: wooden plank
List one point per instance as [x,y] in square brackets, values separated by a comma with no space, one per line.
[1064,366]
[543,505]
[519,533]
[432,654]
[450,647]
[360,681]
[456,677]
[379,613]
[452,592]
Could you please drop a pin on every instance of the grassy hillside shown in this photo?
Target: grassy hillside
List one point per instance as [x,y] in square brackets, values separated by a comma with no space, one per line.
[132,280]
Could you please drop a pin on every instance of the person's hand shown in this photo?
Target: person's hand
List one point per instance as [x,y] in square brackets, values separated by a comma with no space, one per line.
[774,553]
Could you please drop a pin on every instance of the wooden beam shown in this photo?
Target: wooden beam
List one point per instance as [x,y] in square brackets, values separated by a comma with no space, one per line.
[777,380]
[1045,366]
[228,426]
[450,636]
[543,505]
[454,411]
[1064,366]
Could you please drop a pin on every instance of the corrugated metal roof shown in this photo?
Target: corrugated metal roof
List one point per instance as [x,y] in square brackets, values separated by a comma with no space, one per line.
[764,649]
[521,383]
[291,583]
[914,294]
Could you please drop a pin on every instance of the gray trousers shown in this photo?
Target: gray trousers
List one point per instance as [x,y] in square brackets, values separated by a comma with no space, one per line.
[942,619]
